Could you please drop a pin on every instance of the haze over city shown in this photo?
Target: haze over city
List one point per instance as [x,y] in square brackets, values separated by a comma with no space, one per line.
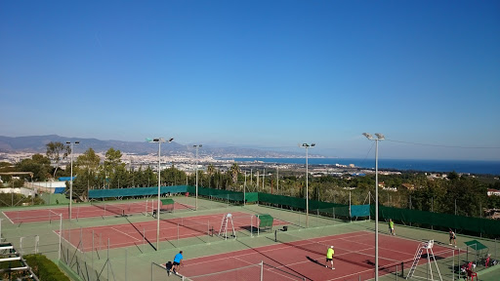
[263,74]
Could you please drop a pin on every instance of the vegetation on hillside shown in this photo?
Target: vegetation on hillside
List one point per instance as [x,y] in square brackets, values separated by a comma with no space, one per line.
[454,194]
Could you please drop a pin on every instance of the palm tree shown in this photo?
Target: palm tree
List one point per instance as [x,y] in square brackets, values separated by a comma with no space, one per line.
[210,172]
[235,171]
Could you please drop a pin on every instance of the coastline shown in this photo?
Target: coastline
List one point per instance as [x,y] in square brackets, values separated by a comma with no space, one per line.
[420,165]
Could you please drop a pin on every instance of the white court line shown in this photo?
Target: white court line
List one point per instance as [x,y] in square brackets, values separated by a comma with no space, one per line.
[8,217]
[125,234]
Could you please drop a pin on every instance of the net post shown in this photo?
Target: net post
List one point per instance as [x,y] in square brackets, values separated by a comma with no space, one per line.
[178,226]
[276,235]
[81,237]
[251,226]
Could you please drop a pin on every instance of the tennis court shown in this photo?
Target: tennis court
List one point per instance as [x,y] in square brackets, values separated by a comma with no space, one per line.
[125,248]
[98,209]
[305,259]
[171,229]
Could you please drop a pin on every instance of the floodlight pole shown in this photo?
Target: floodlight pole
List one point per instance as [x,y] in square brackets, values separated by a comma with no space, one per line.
[71,178]
[306,146]
[159,141]
[379,137]
[196,170]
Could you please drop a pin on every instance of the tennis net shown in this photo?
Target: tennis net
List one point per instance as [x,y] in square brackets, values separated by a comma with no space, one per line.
[202,227]
[121,209]
[316,245]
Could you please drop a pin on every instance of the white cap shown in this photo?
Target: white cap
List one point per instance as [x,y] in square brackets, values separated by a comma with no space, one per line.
[331,247]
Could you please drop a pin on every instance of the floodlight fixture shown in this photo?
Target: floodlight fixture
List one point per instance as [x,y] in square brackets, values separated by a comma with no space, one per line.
[379,137]
[307,146]
[71,177]
[196,171]
[159,141]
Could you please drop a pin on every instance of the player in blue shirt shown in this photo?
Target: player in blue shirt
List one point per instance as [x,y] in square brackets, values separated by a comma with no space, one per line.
[177,262]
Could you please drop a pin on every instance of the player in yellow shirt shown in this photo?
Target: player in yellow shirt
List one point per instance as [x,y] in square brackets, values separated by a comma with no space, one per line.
[329,257]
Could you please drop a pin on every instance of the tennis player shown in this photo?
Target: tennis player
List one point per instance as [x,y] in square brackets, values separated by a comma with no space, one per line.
[391,227]
[453,238]
[329,257]
[177,262]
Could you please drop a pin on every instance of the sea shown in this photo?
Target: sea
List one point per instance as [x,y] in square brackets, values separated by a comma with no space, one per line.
[443,166]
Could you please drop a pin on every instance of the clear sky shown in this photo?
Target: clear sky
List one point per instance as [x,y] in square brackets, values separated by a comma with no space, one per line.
[267,74]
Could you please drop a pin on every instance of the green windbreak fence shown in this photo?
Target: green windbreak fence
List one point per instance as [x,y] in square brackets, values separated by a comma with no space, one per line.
[321,208]
[294,202]
[138,191]
[478,225]
[250,197]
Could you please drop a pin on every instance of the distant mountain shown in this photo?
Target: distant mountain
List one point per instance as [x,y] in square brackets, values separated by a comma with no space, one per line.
[37,144]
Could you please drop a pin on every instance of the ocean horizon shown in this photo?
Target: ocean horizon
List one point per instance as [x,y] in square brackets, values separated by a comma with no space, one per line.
[443,166]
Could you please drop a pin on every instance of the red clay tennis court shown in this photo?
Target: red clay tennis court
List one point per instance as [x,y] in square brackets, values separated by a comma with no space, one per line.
[101,210]
[354,259]
[138,233]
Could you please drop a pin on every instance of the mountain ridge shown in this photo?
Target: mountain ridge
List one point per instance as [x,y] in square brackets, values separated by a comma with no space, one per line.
[37,144]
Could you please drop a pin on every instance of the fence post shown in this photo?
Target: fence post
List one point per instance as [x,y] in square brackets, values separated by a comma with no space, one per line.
[107,261]
[126,267]
[262,271]
[453,266]
[459,269]
[60,237]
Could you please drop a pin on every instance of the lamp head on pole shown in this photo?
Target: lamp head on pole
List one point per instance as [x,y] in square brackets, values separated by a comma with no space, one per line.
[307,145]
[157,140]
[378,135]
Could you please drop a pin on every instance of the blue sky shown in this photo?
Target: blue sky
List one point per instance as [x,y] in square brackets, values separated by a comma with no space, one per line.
[266,74]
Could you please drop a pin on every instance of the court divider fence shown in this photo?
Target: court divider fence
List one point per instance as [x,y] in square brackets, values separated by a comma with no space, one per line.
[253,272]
[480,226]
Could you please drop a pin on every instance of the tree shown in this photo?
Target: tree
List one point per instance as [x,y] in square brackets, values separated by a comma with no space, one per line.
[210,172]
[235,171]
[86,169]
[39,165]
[113,168]
[54,151]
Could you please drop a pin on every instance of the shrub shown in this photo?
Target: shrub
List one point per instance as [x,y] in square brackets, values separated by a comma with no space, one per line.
[44,268]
